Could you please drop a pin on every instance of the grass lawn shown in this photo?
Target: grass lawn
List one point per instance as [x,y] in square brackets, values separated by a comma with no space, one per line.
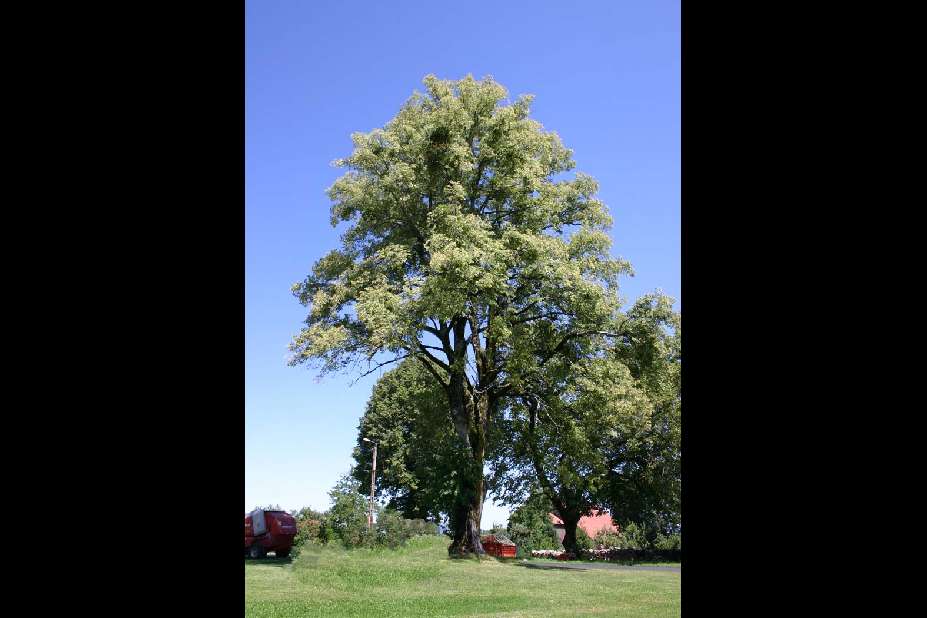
[420,580]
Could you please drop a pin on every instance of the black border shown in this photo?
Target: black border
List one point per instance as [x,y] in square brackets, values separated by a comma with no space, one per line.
[158,306]
[150,390]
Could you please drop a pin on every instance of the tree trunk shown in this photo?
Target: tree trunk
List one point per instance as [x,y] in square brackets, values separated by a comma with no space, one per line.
[466,520]
[569,536]
[469,416]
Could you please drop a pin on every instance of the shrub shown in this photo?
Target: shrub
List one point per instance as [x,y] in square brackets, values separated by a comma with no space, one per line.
[327,533]
[347,518]
[667,542]
[307,531]
[308,526]
[521,535]
[500,533]
[638,537]
[633,537]
[546,553]
[422,527]
[583,542]
[391,531]
[355,534]
[346,522]
[606,539]
[530,528]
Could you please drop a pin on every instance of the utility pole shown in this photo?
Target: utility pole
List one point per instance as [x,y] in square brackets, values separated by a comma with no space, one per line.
[373,476]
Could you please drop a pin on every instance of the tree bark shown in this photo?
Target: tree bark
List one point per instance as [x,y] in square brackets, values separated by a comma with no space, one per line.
[466,519]
[570,523]
[468,411]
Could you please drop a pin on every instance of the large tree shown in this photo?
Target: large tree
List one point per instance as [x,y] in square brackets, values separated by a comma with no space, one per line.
[467,250]
[416,458]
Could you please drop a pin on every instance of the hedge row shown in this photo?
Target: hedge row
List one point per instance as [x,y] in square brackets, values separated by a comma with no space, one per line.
[614,555]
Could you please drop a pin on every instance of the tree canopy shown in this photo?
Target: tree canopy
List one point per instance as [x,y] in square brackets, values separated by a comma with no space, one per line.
[645,476]
[416,459]
[468,250]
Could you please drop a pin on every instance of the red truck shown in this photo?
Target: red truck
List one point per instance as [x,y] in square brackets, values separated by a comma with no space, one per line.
[267,531]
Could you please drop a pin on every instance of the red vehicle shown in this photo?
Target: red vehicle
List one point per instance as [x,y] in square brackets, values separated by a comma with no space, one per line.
[497,547]
[267,531]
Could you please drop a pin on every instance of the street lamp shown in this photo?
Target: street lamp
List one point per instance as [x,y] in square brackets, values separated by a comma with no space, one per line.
[373,476]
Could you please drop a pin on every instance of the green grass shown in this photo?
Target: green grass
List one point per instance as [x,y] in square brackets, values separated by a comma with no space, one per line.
[420,580]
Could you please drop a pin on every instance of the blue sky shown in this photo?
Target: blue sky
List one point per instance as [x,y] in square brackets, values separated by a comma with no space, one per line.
[606,76]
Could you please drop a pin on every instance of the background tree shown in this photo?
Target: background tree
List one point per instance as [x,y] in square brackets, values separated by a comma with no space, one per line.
[309,526]
[530,527]
[561,432]
[347,517]
[464,252]
[407,417]
[644,482]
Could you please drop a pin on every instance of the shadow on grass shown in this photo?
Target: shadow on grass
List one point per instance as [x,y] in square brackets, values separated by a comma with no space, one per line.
[551,566]
[589,566]
[270,561]
[465,557]
[459,559]
[468,557]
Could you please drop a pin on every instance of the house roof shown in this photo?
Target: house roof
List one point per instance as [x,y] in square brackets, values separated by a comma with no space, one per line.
[590,524]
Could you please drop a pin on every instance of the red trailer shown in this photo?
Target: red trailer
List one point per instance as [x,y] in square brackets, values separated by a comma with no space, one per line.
[497,547]
[267,531]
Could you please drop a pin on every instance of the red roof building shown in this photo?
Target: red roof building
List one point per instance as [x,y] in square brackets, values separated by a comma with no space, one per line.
[591,524]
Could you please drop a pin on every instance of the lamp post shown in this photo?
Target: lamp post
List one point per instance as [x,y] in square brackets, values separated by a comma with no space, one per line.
[373,476]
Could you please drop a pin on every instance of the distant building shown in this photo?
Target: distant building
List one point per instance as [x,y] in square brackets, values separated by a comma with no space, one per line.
[591,524]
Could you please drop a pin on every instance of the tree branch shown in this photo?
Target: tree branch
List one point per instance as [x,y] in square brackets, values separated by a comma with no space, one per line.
[424,350]
[540,316]
[363,375]
[566,338]
[533,404]
[424,361]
